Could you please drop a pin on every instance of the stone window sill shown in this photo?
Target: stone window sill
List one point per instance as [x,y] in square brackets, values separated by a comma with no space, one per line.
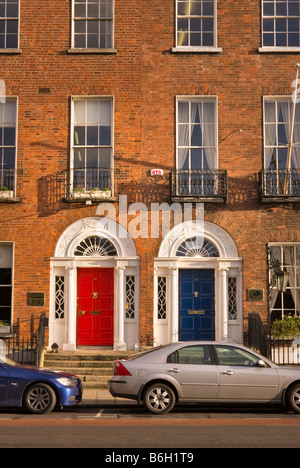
[197,50]
[93,51]
[10,51]
[279,50]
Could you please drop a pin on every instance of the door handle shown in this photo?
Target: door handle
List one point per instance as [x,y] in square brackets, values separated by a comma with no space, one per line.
[174,370]
[228,372]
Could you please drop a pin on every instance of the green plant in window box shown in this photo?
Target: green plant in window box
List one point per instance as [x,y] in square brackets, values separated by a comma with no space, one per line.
[4,324]
[6,192]
[288,327]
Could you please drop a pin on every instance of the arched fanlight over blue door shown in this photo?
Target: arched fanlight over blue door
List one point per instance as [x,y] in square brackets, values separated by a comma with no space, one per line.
[197,247]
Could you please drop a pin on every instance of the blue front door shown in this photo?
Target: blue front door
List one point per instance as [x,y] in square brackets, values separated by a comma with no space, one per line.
[196,305]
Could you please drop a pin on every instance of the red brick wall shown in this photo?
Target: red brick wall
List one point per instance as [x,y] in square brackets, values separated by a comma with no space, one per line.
[144,77]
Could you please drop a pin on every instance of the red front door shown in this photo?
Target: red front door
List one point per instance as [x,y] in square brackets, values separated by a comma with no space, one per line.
[95,306]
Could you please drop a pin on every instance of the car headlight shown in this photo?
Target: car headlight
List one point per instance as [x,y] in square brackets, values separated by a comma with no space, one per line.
[66,382]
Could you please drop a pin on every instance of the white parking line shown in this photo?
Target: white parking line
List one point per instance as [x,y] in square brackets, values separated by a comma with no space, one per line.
[99,414]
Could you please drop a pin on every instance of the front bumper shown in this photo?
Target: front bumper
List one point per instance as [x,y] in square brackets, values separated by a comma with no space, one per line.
[71,396]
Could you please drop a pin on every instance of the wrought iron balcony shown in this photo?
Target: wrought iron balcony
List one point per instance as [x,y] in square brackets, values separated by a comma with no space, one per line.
[89,183]
[280,184]
[209,185]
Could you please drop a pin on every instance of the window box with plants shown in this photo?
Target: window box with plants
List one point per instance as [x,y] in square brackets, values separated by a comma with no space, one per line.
[4,327]
[94,192]
[5,192]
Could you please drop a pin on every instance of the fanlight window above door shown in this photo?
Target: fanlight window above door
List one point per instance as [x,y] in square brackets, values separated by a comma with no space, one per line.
[197,247]
[95,246]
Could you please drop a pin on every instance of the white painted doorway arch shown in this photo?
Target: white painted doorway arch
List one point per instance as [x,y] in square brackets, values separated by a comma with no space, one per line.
[108,245]
[207,246]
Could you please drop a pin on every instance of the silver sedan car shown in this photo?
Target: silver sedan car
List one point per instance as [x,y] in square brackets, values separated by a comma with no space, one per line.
[204,372]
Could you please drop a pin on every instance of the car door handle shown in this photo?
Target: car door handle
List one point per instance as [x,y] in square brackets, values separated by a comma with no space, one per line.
[174,370]
[227,372]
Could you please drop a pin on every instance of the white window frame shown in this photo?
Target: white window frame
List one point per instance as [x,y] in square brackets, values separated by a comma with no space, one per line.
[285,311]
[274,99]
[6,18]
[72,146]
[193,49]
[15,146]
[197,99]
[87,49]
[276,49]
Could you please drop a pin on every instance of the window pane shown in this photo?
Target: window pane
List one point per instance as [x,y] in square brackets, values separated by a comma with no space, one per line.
[194,355]
[92,157]
[105,136]
[80,10]
[208,8]
[92,111]
[93,10]
[105,158]
[5,276]
[9,158]
[9,136]
[196,136]
[10,112]
[229,356]
[268,9]
[92,136]
[79,111]
[196,159]
[92,41]
[80,27]
[80,41]
[79,158]
[79,136]
[105,112]
[12,10]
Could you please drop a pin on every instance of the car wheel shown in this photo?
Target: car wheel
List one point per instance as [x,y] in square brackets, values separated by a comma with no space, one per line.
[159,398]
[293,398]
[40,398]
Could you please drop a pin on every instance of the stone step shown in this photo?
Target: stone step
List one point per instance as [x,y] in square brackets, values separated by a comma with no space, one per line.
[93,369]
[63,356]
[80,364]
[107,371]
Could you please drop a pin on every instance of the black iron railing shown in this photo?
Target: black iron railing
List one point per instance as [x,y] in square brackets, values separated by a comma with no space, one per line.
[207,184]
[89,182]
[26,347]
[257,335]
[279,183]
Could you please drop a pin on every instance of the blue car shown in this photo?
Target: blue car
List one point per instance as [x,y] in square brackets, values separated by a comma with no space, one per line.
[36,389]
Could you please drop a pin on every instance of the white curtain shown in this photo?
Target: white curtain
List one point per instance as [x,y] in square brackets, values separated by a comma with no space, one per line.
[208,130]
[187,114]
[294,273]
[183,135]
[270,133]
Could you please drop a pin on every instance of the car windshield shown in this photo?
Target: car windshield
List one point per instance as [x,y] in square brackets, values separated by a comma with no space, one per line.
[7,361]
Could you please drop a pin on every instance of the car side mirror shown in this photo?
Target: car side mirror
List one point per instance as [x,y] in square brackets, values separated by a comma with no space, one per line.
[261,363]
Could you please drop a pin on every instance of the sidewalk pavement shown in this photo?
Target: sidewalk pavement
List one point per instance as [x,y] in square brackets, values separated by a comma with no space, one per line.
[102,397]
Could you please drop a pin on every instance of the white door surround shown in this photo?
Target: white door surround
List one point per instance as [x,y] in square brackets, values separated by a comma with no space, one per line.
[217,251]
[63,282]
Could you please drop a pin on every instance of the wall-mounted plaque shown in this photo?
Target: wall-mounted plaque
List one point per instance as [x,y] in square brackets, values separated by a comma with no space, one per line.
[255,295]
[36,299]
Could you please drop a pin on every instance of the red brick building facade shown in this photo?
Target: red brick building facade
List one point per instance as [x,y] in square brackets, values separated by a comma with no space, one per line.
[96,94]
